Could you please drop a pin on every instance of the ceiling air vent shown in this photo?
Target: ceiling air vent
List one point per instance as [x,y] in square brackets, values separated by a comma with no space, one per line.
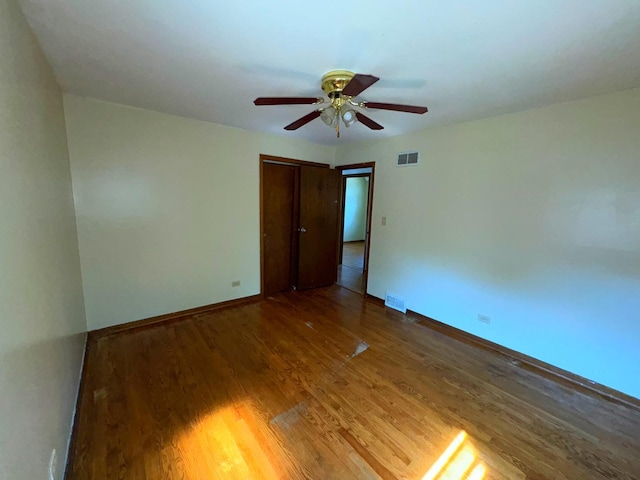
[395,302]
[408,159]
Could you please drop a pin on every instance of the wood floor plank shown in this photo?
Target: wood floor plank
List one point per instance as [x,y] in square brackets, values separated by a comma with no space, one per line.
[323,384]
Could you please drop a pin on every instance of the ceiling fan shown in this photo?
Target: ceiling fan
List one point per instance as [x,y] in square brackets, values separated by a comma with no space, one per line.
[341,86]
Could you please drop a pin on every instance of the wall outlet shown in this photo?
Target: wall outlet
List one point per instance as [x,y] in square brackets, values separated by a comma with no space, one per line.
[484,318]
[235,283]
[53,465]
[384,220]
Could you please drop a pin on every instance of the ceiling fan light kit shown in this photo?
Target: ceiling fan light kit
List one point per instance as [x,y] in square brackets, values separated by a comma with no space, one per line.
[349,117]
[329,116]
[341,86]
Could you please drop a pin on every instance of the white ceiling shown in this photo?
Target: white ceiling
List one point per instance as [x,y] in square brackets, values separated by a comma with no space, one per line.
[208,59]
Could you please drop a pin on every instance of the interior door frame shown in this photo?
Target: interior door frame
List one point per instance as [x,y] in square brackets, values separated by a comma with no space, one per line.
[265,158]
[372,176]
[343,195]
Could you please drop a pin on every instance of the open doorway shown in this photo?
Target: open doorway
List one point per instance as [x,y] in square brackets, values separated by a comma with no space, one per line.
[355,219]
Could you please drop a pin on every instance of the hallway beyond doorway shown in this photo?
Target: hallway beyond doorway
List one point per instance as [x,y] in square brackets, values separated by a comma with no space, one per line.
[353,254]
[350,273]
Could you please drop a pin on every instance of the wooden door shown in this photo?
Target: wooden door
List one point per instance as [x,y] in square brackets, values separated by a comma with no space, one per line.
[278,210]
[318,238]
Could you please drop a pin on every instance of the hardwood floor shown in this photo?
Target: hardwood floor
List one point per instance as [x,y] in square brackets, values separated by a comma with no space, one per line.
[350,273]
[351,278]
[322,384]
[353,254]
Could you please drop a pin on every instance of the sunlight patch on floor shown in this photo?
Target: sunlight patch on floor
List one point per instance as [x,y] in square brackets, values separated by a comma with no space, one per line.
[456,461]
[225,442]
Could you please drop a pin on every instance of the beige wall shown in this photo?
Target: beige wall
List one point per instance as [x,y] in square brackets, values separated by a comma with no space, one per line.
[41,308]
[532,219]
[168,208]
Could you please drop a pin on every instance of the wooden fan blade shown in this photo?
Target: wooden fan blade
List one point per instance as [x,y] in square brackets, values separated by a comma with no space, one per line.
[303,121]
[395,107]
[368,122]
[286,101]
[358,84]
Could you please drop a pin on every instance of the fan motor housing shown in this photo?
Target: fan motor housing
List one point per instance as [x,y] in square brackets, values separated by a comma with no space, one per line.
[333,82]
